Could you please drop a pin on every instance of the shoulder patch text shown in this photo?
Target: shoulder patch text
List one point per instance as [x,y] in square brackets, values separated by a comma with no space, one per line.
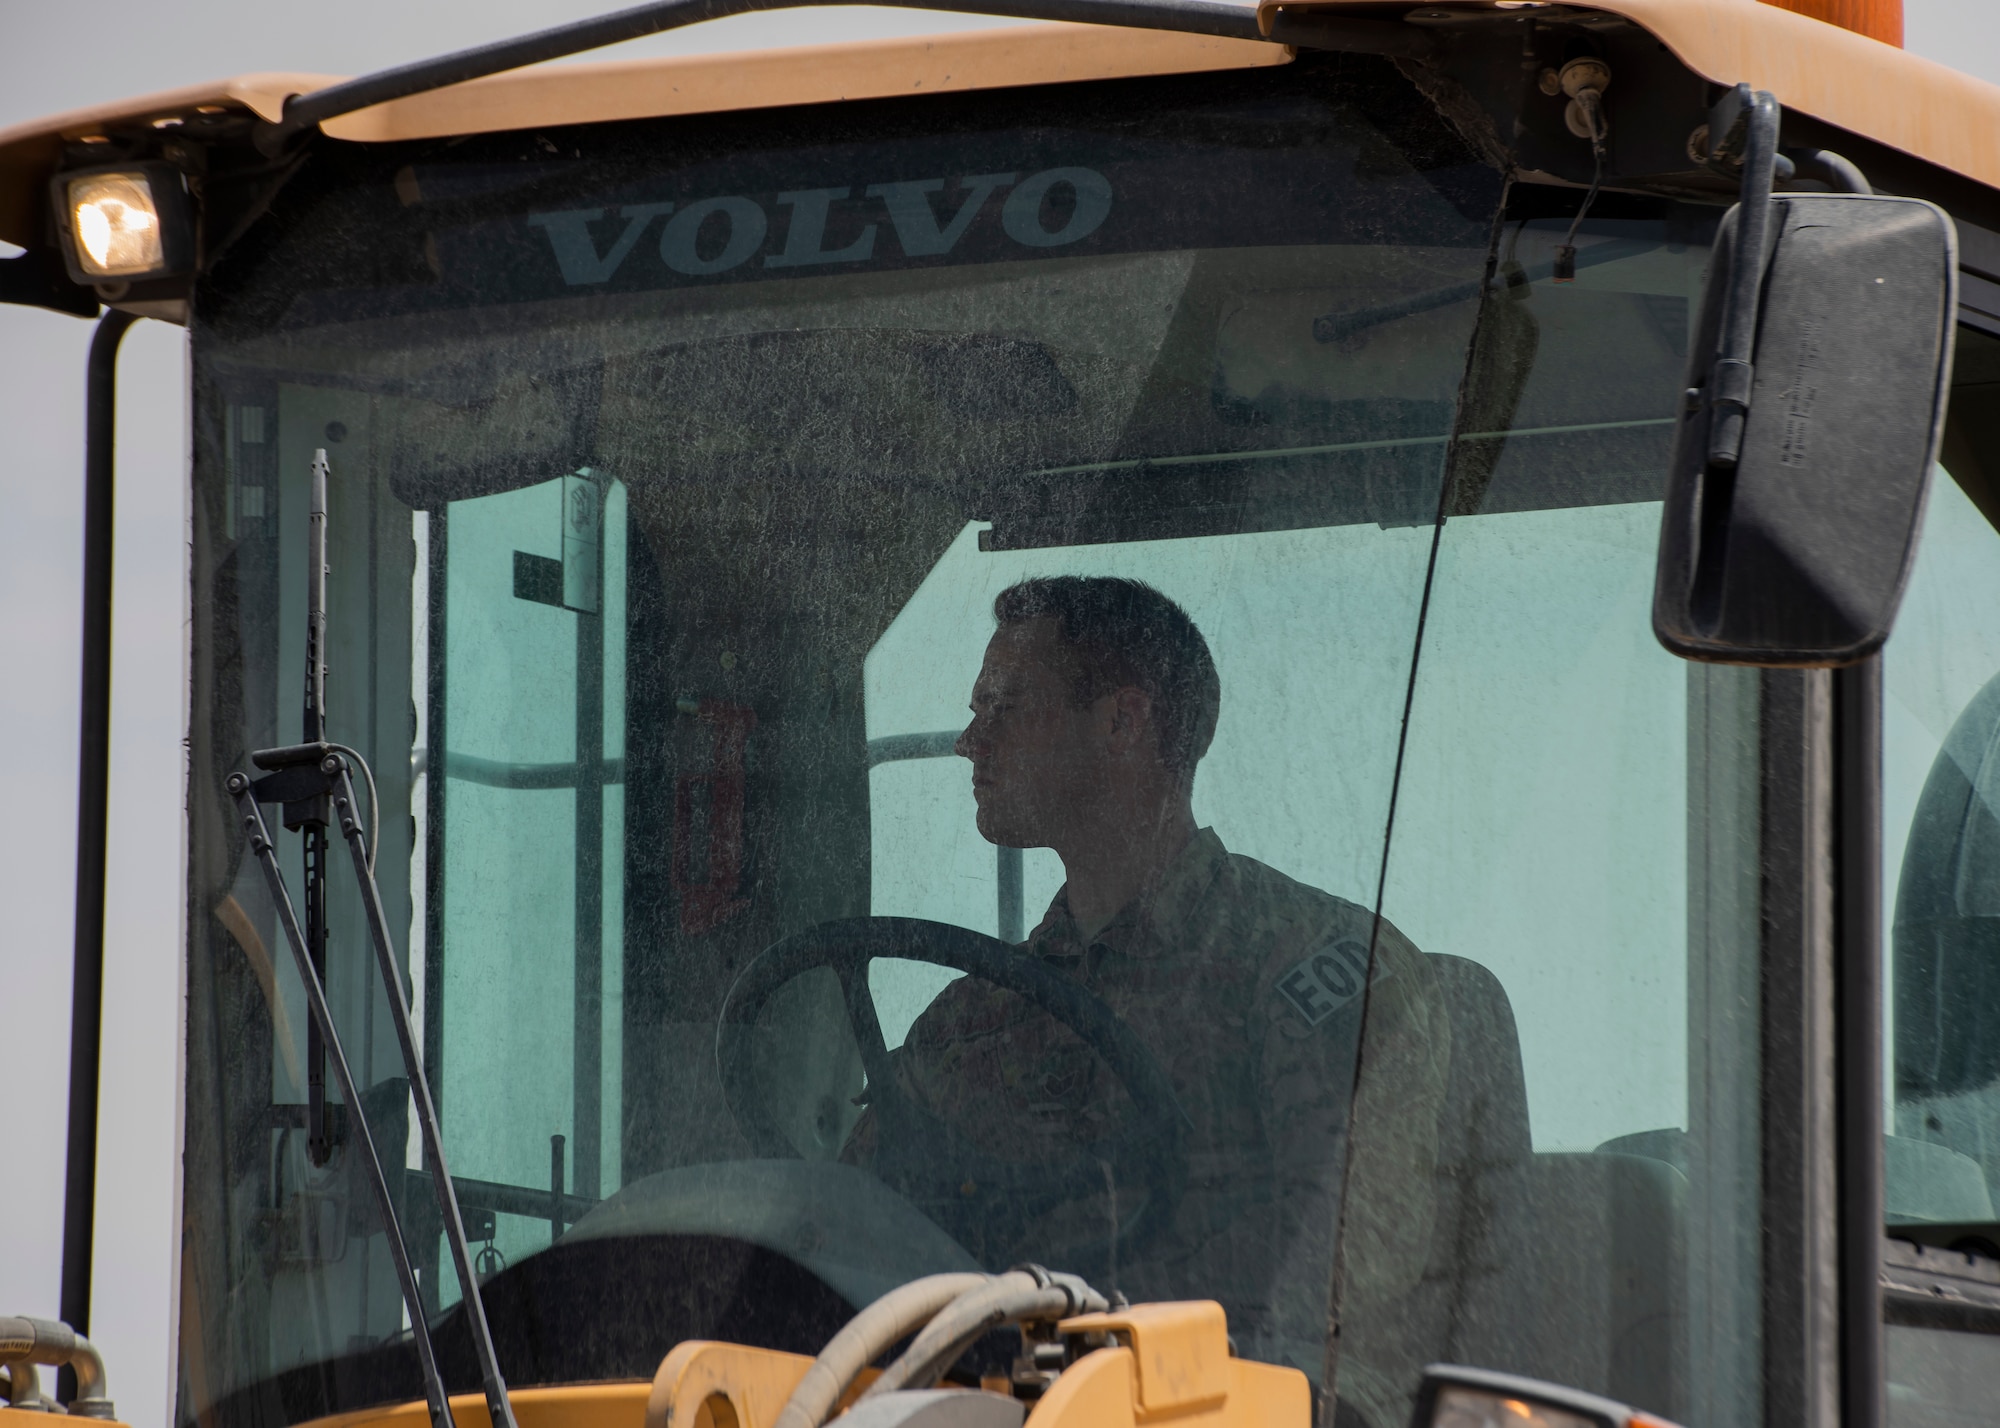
[1326,981]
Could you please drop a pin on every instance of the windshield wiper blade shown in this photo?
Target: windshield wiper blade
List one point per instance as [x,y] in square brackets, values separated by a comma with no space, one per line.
[263,849]
[1336,326]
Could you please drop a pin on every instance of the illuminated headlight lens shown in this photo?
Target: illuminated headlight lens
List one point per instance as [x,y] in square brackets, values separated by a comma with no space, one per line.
[1480,1408]
[117,225]
[124,224]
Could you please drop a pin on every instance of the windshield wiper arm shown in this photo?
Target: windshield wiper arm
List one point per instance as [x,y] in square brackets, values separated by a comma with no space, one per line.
[1334,326]
[262,848]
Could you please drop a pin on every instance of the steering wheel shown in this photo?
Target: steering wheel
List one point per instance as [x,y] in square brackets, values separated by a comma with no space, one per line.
[980,1198]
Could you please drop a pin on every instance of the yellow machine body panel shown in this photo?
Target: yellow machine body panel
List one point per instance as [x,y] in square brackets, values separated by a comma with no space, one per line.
[1165,1361]
[572,1405]
[1177,1365]
[36,1418]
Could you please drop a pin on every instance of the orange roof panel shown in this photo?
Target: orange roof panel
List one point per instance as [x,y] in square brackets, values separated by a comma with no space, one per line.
[810,74]
[1870,88]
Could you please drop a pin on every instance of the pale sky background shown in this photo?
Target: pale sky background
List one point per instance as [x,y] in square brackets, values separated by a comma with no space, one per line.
[51,62]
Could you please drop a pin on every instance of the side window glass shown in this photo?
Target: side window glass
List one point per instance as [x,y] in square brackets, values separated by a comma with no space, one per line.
[1941,898]
[524,802]
[1574,819]
[1941,874]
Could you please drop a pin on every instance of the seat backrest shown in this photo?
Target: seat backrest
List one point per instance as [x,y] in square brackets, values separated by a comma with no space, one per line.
[1485,1122]
[1566,1267]
[1483,1149]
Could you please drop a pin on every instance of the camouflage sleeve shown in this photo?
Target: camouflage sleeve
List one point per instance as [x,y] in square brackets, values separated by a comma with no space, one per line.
[1388,1129]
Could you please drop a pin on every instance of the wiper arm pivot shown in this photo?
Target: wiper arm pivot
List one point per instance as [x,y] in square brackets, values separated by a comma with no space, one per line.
[1337,326]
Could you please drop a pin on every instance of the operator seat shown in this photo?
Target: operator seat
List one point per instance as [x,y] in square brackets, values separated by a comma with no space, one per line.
[1561,1266]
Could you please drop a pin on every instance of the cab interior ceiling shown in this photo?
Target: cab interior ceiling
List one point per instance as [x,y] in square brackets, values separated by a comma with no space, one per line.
[1482,68]
[987,425]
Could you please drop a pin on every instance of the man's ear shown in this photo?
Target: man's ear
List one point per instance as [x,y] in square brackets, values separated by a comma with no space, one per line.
[1131,719]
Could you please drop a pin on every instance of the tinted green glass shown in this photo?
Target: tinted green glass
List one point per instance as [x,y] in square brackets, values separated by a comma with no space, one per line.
[680,467]
[1939,1379]
[692,459]
[1942,1156]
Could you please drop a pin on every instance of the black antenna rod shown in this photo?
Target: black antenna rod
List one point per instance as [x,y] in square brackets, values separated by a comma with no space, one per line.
[311,816]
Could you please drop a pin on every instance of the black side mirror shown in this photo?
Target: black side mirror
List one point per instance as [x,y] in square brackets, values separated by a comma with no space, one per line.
[1814,407]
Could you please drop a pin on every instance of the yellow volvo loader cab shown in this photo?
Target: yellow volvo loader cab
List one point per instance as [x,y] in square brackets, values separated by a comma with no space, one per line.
[1577,961]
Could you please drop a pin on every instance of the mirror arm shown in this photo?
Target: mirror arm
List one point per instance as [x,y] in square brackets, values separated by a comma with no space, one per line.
[1732,377]
[1839,174]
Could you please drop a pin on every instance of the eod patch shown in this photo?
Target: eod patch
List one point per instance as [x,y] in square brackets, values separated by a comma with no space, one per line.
[1326,981]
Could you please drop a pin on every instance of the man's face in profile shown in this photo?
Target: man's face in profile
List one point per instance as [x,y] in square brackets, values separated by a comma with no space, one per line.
[1037,756]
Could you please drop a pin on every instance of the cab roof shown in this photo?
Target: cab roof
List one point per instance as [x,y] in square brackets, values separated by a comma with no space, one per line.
[589,93]
[1878,91]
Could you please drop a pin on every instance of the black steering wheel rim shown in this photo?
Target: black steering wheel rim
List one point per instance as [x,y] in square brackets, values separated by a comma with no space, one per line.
[846,946]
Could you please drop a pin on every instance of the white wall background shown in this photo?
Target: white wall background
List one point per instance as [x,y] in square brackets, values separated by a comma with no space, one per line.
[58,56]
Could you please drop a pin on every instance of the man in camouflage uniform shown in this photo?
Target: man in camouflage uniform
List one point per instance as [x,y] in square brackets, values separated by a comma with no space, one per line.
[1096,699]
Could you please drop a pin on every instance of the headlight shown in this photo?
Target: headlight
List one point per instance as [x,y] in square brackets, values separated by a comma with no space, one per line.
[125,224]
[117,225]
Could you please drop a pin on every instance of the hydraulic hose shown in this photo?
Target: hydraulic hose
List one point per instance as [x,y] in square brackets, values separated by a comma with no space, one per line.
[868,1335]
[1010,1298]
[22,1387]
[44,1341]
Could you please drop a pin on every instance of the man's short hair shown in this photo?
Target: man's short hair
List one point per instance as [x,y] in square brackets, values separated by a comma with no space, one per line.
[1125,632]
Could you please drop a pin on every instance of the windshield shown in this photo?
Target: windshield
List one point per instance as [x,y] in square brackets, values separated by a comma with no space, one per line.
[923,716]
